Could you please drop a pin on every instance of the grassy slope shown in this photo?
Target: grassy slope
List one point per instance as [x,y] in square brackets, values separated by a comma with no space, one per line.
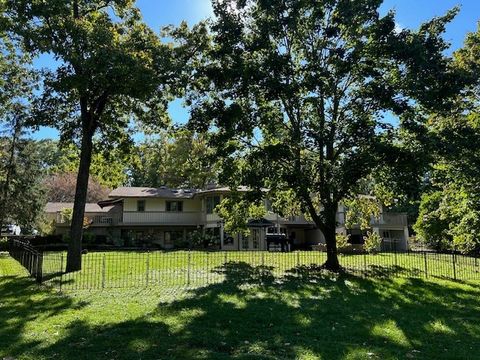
[318,318]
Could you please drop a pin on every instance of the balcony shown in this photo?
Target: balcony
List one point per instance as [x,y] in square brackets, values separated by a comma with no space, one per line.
[161,218]
[211,218]
[100,219]
[291,220]
[392,219]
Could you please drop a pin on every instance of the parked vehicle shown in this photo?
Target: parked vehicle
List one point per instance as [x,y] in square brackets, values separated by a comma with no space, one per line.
[11,229]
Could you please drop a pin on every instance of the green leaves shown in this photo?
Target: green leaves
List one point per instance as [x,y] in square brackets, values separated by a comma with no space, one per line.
[176,158]
[236,211]
[297,90]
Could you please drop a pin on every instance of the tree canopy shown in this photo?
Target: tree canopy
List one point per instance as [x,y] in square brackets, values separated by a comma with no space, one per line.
[113,69]
[296,94]
[173,158]
[450,208]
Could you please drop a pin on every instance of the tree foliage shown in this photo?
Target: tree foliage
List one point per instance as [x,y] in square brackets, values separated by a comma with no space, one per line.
[450,209]
[174,158]
[112,69]
[21,195]
[60,187]
[295,93]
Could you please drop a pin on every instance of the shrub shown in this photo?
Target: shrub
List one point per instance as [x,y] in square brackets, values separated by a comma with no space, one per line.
[202,241]
[3,244]
[372,242]
[342,241]
[45,226]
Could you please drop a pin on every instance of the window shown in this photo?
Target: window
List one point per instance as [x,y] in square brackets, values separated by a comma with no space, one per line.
[211,203]
[227,239]
[141,205]
[255,238]
[268,205]
[386,234]
[174,206]
[244,241]
[356,236]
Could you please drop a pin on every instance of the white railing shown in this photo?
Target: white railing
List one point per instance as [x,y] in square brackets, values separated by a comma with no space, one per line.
[162,217]
[99,219]
[212,218]
[391,219]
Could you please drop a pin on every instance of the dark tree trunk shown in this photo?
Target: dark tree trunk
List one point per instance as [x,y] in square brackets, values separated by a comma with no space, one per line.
[332,263]
[74,256]
[8,177]
[330,215]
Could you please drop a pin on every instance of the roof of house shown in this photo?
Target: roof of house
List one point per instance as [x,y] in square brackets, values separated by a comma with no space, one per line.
[144,192]
[167,193]
[55,207]
[222,189]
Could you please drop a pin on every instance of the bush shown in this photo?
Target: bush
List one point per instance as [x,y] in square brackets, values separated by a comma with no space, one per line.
[88,238]
[342,241]
[373,241]
[46,227]
[3,244]
[202,241]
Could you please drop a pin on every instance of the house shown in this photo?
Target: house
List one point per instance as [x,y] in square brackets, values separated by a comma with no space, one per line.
[172,218]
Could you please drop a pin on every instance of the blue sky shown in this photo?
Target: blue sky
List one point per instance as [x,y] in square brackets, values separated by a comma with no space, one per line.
[410,14]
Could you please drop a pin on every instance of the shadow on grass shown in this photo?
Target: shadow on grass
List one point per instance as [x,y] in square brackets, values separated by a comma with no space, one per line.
[307,314]
[23,302]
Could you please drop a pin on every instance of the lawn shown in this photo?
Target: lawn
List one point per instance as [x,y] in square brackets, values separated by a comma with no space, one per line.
[317,317]
[122,269]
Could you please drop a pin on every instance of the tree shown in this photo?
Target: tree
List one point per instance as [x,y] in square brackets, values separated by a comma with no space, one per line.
[109,166]
[60,187]
[450,208]
[113,69]
[21,197]
[174,158]
[295,93]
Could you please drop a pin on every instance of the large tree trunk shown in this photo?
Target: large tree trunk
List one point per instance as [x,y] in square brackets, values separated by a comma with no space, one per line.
[330,215]
[74,256]
[332,262]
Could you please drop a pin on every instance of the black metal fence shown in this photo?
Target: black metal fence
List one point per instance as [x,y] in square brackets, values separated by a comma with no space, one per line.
[30,258]
[127,269]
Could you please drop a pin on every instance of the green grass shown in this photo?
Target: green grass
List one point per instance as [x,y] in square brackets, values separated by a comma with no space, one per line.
[244,316]
[197,268]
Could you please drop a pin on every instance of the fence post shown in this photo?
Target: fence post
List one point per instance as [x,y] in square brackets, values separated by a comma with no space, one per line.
[454,266]
[364,263]
[188,268]
[148,268]
[425,261]
[39,274]
[103,271]
[61,271]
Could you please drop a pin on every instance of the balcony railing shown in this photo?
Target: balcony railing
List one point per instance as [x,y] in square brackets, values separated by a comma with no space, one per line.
[212,218]
[162,217]
[395,219]
[100,219]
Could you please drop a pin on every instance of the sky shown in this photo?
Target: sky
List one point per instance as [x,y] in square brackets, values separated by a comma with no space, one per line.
[409,14]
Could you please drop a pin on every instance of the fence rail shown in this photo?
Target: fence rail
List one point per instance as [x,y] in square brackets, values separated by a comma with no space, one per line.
[30,258]
[122,269]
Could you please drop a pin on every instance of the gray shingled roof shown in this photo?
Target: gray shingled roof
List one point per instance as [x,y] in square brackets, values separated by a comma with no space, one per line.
[143,192]
[55,207]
